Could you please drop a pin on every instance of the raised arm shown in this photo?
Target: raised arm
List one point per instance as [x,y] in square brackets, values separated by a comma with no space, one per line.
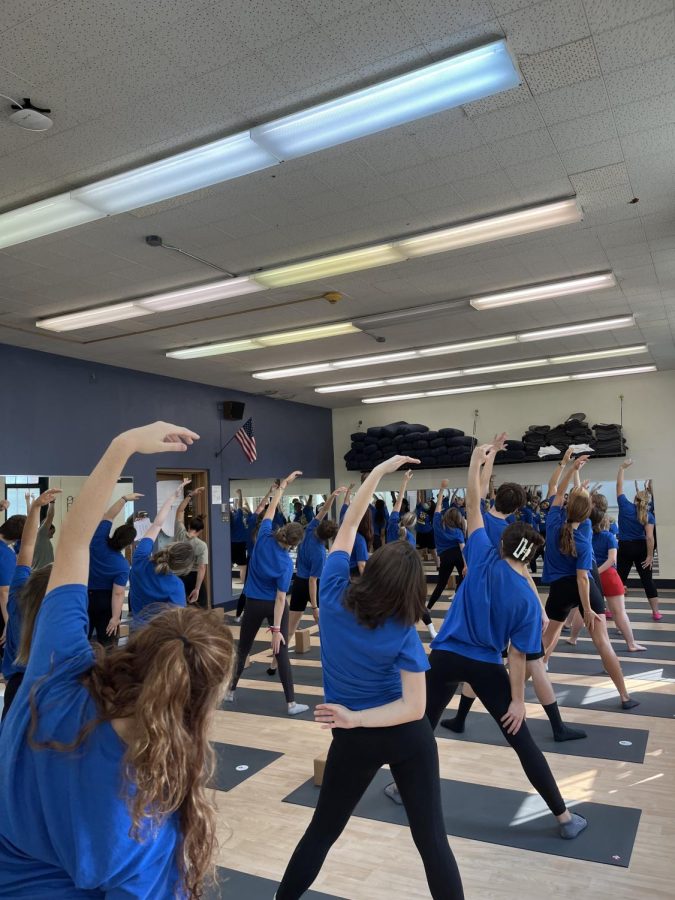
[441,492]
[619,477]
[278,493]
[30,529]
[554,480]
[163,513]
[49,518]
[71,565]
[474,487]
[118,506]
[328,502]
[498,444]
[407,475]
[567,475]
[347,533]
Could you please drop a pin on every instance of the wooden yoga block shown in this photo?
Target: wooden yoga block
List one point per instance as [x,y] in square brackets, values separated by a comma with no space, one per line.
[123,630]
[303,641]
[319,768]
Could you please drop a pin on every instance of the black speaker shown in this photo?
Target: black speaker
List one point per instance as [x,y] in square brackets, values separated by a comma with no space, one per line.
[233,411]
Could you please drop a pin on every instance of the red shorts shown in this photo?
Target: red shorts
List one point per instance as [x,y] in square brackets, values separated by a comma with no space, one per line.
[612,586]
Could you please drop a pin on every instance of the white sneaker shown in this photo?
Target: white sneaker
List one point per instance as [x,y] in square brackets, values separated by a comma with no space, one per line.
[237,620]
[294,709]
[229,697]
[432,631]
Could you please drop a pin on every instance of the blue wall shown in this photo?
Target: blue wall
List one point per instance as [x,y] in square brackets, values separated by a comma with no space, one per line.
[57,415]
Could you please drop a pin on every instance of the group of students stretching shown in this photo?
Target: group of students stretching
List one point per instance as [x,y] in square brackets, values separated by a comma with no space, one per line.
[133,720]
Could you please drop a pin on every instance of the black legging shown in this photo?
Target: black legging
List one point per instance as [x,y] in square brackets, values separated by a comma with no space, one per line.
[450,559]
[255,613]
[634,553]
[11,689]
[491,685]
[354,758]
[100,613]
[189,583]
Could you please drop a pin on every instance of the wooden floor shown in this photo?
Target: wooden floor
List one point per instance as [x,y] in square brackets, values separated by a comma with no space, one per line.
[375,861]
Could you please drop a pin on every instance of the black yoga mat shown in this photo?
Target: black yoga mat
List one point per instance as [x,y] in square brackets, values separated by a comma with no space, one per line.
[602,741]
[233,885]
[569,664]
[585,645]
[269,703]
[306,675]
[637,615]
[578,697]
[507,818]
[235,764]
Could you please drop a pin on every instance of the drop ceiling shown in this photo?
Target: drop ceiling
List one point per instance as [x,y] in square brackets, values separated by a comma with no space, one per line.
[133,81]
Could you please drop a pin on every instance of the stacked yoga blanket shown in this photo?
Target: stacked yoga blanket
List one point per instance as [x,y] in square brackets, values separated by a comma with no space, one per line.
[435,449]
[606,440]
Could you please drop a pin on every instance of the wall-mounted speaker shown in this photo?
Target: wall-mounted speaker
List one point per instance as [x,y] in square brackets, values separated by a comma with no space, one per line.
[233,411]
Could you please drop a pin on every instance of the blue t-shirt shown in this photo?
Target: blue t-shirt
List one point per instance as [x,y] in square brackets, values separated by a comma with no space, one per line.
[559,565]
[107,567]
[527,515]
[250,522]
[603,542]
[630,527]
[311,554]
[614,528]
[492,606]
[270,569]
[147,586]
[424,523]
[64,823]
[237,527]
[393,526]
[13,624]
[362,666]
[446,538]
[7,564]
[279,519]
[304,516]
[359,553]
[495,527]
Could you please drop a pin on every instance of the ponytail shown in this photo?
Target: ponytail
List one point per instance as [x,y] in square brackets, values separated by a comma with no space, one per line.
[289,535]
[642,507]
[161,562]
[402,533]
[567,545]
[176,559]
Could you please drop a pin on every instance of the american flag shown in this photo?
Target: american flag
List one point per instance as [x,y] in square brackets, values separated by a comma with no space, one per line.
[246,440]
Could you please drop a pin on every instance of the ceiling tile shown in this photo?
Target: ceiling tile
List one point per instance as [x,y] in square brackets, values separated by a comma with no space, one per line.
[520,94]
[564,65]
[594,156]
[573,101]
[641,82]
[518,149]
[372,33]
[261,23]
[537,171]
[600,179]
[429,18]
[611,196]
[505,123]
[545,25]
[606,14]
[583,131]
[645,114]
[636,43]
[656,141]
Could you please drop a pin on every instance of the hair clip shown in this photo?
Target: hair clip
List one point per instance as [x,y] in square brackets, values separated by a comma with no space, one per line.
[523,549]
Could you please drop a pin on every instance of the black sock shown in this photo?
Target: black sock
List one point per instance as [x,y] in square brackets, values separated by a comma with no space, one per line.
[457,724]
[241,603]
[561,732]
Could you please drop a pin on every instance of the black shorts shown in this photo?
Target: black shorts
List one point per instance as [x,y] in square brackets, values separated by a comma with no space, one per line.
[530,657]
[564,596]
[238,550]
[300,594]
[425,540]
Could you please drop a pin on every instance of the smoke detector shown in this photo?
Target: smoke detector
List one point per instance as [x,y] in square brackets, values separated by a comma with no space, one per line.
[30,117]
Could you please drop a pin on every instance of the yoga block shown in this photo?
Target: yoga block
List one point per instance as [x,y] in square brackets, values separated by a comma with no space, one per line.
[303,641]
[319,769]
[123,630]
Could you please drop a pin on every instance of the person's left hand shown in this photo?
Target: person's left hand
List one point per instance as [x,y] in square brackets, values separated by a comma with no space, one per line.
[46,498]
[112,627]
[591,619]
[647,563]
[514,717]
[193,596]
[333,715]
[277,641]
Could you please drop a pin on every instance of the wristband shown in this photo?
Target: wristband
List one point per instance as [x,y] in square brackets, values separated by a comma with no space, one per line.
[275,629]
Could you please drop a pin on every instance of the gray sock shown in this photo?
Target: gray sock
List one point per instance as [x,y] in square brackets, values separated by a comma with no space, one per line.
[573,828]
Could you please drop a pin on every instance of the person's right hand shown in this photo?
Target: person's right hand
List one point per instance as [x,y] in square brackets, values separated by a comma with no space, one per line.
[580,462]
[289,479]
[568,456]
[129,498]
[277,641]
[46,498]
[159,437]
[199,490]
[499,442]
[626,464]
[647,563]
[4,504]
[394,463]
[591,619]
[333,715]
[481,451]
[444,484]
[514,717]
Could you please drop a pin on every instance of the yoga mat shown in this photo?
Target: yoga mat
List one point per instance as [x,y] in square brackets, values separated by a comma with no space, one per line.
[602,742]
[637,616]
[578,665]
[642,633]
[578,697]
[230,758]
[269,703]
[306,675]
[585,645]
[507,818]
[233,885]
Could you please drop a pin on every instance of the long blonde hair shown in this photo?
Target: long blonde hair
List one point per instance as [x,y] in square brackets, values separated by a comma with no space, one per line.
[578,508]
[168,679]
[642,499]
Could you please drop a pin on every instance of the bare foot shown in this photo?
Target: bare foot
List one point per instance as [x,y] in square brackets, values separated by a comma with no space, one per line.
[570,642]
[636,648]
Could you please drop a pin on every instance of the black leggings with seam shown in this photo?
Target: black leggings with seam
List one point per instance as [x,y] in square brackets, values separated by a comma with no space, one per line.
[255,613]
[491,685]
[450,559]
[634,553]
[354,758]
[100,612]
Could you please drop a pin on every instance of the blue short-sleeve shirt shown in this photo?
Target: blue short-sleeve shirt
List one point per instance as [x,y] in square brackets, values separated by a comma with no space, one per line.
[557,564]
[7,564]
[603,542]
[270,569]
[13,624]
[630,527]
[147,587]
[107,567]
[446,538]
[311,554]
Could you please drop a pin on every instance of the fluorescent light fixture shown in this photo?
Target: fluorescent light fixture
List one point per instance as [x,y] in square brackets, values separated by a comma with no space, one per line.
[357,386]
[480,344]
[635,370]
[202,293]
[405,379]
[88,317]
[598,354]
[295,370]
[442,393]
[264,340]
[562,288]
[213,163]
[377,360]
[44,217]
[581,328]
[460,79]
[492,228]
[429,376]
[505,367]
[327,266]
[393,398]
[532,381]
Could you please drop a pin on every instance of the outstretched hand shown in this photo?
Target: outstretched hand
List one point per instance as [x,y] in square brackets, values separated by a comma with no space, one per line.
[46,498]
[394,464]
[580,462]
[626,464]
[159,437]
[499,442]
[289,479]
[481,452]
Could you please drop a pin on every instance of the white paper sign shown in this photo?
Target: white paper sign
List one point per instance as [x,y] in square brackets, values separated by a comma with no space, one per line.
[216,494]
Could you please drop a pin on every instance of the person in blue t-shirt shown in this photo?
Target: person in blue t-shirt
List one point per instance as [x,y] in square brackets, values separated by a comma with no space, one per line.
[303,512]
[238,535]
[495,606]
[424,528]
[109,573]
[613,528]
[363,543]
[10,533]
[155,577]
[252,521]
[267,583]
[103,753]
[310,562]
[450,539]
[373,670]
[13,668]
[636,540]
[400,527]
[568,566]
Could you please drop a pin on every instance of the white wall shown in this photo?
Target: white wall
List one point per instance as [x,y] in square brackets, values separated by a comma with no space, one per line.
[649,427]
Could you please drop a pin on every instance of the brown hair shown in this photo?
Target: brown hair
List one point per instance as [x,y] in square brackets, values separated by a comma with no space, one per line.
[30,600]
[452,518]
[642,499]
[512,538]
[510,497]
[408,519]
[598,519]
[169,677]
[365,528]
[393,585]
[289,535]
[196,524]
[122,537]
[12,528]
[599,501]
[177,558]
[326,529]
[579,507]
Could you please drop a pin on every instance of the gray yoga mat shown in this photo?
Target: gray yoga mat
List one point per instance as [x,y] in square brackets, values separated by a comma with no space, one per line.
[269,703]
[578,697]
[304,675]
[585,645]
[235,764]
[573,664]
[602,741]
[642,633]
[233,885]
[507,818]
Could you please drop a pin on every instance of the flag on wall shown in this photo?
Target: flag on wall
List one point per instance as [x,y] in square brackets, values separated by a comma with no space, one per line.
[246,440]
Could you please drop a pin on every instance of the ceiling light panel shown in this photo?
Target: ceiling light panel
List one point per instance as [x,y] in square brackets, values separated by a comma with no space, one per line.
[460,79]
[195,296]
[88,317]
[635,370]
[543,334]
[45,217]
[599,354]
[327,266]
[553,289]
[259,342]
